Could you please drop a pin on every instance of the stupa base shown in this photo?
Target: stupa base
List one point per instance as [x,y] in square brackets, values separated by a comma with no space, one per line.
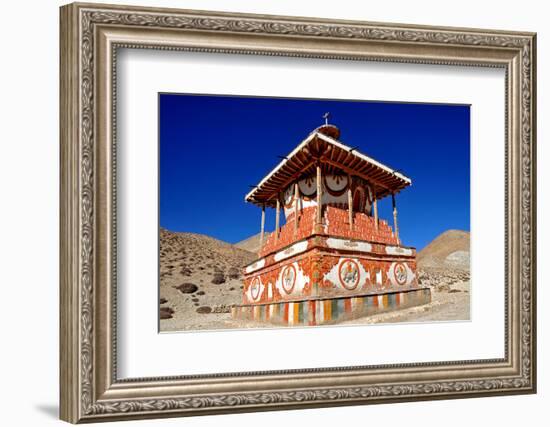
[314,312]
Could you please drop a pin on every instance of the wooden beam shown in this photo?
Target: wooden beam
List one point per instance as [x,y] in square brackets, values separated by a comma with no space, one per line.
[319,218]
[375,205]
[360,175]
[262,229]
[395,227]
[296,199]
[277,218]
[383,177]
[350,204]
[292,178]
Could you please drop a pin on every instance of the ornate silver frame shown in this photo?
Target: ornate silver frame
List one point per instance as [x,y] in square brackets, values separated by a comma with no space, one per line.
[90,35]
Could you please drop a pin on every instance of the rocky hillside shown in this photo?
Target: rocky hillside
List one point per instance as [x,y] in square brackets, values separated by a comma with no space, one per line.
[450,249]
[188,253]
[198,275]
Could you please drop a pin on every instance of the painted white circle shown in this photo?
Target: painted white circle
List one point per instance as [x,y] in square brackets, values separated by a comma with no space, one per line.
[288,278]
[349,274]
[400,273]
[255,288]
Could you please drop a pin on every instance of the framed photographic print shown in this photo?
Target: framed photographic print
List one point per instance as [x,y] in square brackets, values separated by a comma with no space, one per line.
[265,212]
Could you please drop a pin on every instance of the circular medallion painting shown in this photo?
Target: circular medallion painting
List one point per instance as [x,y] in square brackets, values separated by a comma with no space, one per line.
[288,278]
[400,273]
[255,287]
[349,274]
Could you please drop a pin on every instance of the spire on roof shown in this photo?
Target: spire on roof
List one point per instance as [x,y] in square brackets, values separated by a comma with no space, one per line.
[326,116]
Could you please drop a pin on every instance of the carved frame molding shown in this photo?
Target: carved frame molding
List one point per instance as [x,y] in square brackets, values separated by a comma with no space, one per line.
[90,37]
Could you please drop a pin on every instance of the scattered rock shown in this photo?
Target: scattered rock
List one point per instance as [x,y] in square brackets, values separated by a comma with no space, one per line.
[187,288]
[163,301]
[436,277]
[218,279]
[166,313]
[233,273]
[221,309]
[197,266]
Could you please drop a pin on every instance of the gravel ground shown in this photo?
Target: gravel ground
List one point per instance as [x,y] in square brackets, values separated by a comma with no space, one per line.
[447,305]
[450,302]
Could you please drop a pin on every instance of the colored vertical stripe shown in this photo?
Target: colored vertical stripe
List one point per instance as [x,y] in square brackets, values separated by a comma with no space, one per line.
[285,315]
[327,308]
[315,312]
[347,305]
[291,313]
[312,312]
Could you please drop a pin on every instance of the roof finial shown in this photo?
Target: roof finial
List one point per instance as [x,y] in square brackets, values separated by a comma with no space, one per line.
[326,116]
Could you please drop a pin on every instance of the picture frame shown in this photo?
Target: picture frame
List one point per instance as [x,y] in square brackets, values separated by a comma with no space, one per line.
[90,390]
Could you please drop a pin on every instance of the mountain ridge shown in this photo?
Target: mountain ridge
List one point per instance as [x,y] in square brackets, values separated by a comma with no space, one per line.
[450,249]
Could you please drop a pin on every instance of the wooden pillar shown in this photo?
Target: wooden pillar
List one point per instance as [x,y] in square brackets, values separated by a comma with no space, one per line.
[350,204]
[296,199]
[277,217]
[375,206]
[395,227]
[262,228]
[319,218]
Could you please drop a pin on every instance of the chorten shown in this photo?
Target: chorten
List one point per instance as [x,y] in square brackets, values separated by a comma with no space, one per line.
[334,259]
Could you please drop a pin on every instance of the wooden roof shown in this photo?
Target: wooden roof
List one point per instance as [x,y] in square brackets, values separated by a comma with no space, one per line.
[321,146]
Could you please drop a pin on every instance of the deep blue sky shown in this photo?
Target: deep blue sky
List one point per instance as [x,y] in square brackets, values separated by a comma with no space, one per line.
[212,148]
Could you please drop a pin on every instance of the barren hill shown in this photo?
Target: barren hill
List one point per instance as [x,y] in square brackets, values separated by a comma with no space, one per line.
[198,275]
[450,249]
[200,250]
[252,244]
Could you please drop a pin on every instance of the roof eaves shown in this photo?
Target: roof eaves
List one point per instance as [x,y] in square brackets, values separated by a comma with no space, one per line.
[364,157]
[280,165]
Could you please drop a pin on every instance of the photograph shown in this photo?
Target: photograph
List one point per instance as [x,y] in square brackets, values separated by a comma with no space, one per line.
[292,212]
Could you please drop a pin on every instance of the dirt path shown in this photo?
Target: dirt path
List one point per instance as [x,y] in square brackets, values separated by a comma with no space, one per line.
[447,305]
